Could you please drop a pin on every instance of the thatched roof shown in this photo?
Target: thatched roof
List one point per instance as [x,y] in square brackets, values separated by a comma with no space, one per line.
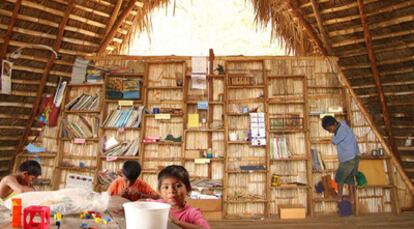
[309,27]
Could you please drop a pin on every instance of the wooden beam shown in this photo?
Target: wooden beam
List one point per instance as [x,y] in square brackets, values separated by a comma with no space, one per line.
[43,80]
[377,81]
[6,38]
[308,28]
[113,17]
[324,35]
[108,38]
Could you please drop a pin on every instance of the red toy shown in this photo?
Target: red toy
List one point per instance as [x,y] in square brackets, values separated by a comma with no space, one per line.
[39,211]
[16,212]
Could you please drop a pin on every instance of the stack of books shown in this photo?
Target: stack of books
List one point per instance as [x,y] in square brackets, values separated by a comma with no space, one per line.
[80,127]
[126,148]
[291,121]
[84,102]
[279,148]
[124,118]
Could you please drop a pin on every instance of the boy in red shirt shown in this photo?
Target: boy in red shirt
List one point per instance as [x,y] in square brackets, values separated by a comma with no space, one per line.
[130,186]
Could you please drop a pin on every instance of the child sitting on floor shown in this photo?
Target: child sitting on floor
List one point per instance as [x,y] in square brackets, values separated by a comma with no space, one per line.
[174,185]
[21,181]
[129,185]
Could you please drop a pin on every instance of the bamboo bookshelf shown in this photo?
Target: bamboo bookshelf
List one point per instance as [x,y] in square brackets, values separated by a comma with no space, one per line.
[121,134]
[165,91]
[284,88]
[78,155]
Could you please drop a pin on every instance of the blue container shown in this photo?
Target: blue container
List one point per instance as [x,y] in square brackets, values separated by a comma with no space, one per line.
[155,110]
[131,95]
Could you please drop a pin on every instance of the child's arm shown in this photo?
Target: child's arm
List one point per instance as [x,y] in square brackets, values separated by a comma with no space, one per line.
[14,185]
[185,225]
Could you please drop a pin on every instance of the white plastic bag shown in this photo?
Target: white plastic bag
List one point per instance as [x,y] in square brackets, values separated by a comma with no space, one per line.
[65,201]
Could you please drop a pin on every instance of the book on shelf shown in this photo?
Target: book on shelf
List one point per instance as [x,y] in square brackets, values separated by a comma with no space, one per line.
[84,102]
[317,162]
[94,76]
[125,117]
[286,121]
[279,147]
[80,127]
[125,148]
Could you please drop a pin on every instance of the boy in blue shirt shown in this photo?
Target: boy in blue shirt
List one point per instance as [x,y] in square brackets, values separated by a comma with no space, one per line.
[348,154]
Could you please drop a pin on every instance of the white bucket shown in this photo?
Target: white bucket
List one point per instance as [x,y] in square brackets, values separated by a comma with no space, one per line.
[146,215]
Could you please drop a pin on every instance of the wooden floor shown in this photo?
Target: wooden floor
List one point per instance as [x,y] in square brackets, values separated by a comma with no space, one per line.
[405,220]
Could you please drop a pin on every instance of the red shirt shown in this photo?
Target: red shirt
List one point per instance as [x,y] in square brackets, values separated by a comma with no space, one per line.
[119,185]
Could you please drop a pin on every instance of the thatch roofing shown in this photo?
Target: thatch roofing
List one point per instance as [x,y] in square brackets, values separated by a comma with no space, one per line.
[309,27]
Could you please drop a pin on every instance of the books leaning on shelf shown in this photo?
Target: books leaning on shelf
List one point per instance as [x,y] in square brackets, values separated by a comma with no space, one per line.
[317,162]
[84,102]
[126,148]
[80,126]
[125,117]
[279,147]
[105,178]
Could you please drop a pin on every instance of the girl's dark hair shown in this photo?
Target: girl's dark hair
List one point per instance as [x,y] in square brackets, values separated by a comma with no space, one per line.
[328,121]
[176,171]
[131,170]
[32,168]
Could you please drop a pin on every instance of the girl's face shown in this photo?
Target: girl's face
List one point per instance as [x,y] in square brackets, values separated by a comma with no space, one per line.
[173,191]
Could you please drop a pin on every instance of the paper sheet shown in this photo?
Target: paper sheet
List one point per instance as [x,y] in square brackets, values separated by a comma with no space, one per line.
[193,121]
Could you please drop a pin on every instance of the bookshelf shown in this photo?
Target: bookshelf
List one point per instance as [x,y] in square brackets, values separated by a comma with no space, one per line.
[122,115]
[290,165]
[245,187]
[78,132]
[164,122]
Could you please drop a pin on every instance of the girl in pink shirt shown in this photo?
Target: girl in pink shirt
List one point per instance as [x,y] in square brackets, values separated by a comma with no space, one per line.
[174,185]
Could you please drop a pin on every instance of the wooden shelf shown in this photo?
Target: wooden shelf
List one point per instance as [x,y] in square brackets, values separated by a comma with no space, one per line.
[246,87]
[287,131]
[288,187]
[374,158]
[290,159]
[163,143]
[211,159]
[88,169]
[244,201]
[237,114]
[325,171]
[78,157]
[204,130]
[126,75]
[319,199]
[209,102]
[376,186]
[85,85]
[134,101]
[285,77]
[45,154]
[119,128]
[86,139]
[246,171]
[162,159]
[119,158]
[165,88]
[325,87]
[287,101]
[172,115]
[81,112]
[337,113]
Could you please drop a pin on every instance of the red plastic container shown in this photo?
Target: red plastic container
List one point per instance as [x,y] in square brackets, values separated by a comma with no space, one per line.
[41,222]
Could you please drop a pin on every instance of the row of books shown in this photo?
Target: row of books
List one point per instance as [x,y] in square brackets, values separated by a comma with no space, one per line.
[124,117]
[80,127]
[279,147]
[126,148]
[291,121]
[84,102]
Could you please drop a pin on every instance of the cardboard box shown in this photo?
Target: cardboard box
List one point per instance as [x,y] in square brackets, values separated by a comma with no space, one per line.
[292,211]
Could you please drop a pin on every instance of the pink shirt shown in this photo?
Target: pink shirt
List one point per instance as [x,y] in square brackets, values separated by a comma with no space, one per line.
[188,214]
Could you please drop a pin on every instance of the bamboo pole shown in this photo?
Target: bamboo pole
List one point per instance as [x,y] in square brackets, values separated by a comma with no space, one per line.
[113,17]
[376,75]
[45,75]
[108,38]
[321,27]
[6,38]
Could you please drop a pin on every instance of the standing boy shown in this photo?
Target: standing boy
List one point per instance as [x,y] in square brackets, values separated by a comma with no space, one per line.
[129,185]
[21,181]
[348,154]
